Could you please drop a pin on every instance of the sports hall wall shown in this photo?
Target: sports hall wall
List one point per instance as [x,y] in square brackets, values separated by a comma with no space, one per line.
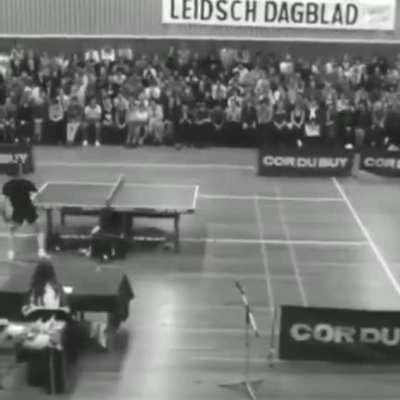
[71,25]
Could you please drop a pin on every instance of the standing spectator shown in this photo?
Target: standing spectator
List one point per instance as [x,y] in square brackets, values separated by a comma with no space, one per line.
[74,119]
[55,132]
[93,114]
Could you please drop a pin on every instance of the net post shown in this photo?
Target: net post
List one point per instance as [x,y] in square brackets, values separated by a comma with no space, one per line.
[272,346]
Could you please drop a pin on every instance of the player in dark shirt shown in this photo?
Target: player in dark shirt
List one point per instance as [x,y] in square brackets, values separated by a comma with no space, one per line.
[18,208]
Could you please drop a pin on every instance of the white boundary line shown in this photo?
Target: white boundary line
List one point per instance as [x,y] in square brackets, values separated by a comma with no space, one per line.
[92,183]
[264,255]
[247,241]
[382,262]
[272,198]
[292,252]
[144,165]
[277,242]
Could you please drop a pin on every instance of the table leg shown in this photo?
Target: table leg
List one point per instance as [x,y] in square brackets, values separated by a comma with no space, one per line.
[49,227]
[128,224]
[62,217]
[52,376]
[176,233]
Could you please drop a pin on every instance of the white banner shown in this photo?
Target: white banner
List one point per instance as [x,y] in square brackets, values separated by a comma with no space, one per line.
[317,14]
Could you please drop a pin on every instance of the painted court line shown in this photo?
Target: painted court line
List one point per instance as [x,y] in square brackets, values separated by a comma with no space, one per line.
[257,360]
[382,262]
[277,242]
[272,198]
[145,165]
[292,252]
[213,307]
[271,298]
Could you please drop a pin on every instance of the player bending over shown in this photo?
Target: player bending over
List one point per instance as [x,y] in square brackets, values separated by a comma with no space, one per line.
[19,207]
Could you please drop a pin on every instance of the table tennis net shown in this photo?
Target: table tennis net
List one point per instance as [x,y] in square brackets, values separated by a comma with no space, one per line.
[115,189]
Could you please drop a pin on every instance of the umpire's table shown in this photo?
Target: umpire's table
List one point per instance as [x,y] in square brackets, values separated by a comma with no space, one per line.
[89,288]
[130,200]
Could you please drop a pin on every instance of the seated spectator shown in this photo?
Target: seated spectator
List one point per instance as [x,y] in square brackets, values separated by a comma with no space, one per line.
[55,132]
[202,127]
[217,116]
[107,118]
[265,114]
[280,122]
[377,136]
[329,127]
[10,111]
[137,122]
[312,131]
[296,126]
[93,114]
[74,119]
[156,123]
[233,117]
[39,113]
[184,126]
[24,119]
[249,124]
[362,124]
[121,110]
[219,93]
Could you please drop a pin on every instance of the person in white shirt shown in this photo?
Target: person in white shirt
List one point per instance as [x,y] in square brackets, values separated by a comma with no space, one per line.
[93,113]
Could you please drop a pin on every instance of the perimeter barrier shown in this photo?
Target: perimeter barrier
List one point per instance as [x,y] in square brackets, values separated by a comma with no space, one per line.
[342,335]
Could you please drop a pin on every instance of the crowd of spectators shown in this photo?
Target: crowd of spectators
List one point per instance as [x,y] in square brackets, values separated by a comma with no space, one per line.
[228,97]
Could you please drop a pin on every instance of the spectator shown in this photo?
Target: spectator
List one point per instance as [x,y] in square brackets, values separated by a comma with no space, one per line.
[121,109]
[156,123]
[74,119]
[55,126]
[24,119]
[377,134]
[233,117]
[249,123]
[137,122]
[203,128]
[279,124]
[93,114]
[10,118]
[107,118]
[296,125]
[265,114]
[39,113]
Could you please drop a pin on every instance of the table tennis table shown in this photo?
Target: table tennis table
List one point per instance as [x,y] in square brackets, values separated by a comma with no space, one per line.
[130,200]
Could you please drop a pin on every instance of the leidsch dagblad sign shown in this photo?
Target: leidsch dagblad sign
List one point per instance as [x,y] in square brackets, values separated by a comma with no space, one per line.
[317,14]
